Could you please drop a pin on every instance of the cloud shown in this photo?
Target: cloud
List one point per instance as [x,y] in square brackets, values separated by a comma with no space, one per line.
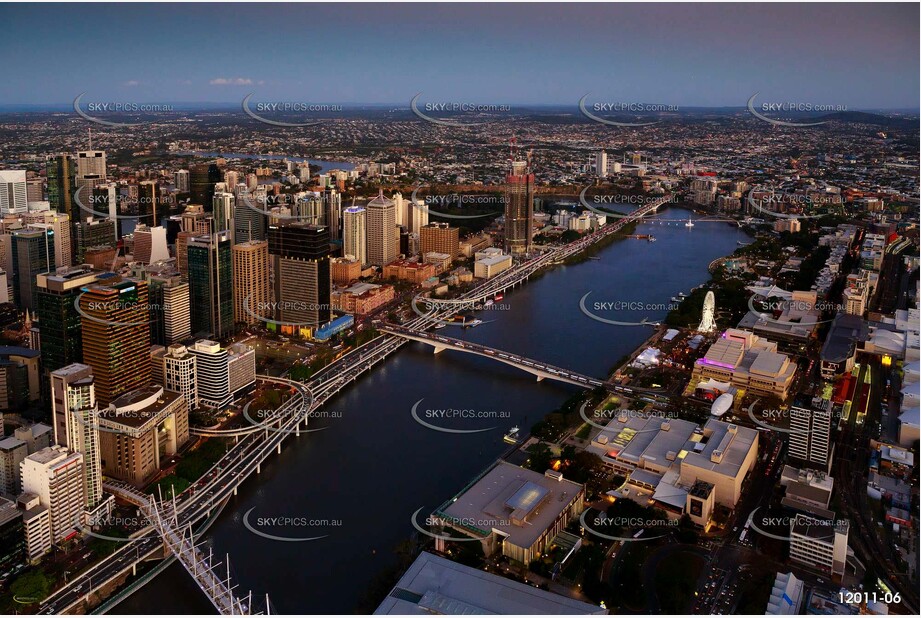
[132,82]
[231,81]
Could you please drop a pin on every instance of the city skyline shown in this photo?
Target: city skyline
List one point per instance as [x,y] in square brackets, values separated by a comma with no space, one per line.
[687,55]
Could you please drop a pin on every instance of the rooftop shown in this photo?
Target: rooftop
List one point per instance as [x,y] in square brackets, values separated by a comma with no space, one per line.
[436,585]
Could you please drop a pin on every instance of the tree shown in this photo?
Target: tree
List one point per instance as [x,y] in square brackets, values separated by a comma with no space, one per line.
[539,457]
[31,587]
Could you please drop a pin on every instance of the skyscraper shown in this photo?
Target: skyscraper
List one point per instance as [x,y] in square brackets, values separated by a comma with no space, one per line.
[94,233]
[202,179]
[601,164]
[303,283]
[181,180]
[354,234]
[251,282]
[91,163]
[33,253]
[116,336]
[213,372]
[149,209]
[56,477]
[170,313]
[383,242]
[332,200]
[441,238]
[76,427]
[248,220]
[59,321]
[223,208]
[13,196]
[210,266]
[810,438]
[61,171]
[519,207]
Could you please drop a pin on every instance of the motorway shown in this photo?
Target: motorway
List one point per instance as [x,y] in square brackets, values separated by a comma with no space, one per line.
[245,457]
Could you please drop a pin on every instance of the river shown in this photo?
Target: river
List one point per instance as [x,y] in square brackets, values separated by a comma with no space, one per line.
[374,465]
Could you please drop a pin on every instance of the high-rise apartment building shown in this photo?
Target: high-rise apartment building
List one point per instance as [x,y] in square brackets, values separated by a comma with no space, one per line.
[116,336]
[383,242]
[519,207]
[222,205]
[181,180]
[91,163]
[76,427]
[213,377]
[354,234]
[56,477]
[179,372]
[251,284]
[810,437]
[440,238]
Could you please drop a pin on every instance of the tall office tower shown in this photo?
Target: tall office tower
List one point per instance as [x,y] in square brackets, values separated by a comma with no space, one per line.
[91,163]
[150,244]
[102,201]
[179,371]
[383,243]
[354,234]
[248,222]
[251,282]
[400,205]
[149,209]
[181,181]
[417,215]
[223,209]
[441,238]
[116,337]
[94,233]
[76,426]
[61,226]
[519,207]
[601,164]
[13,196]
[94,197]
[303,283]
[61,171]
[213,374]
[57,478]
[202,179]
[332,201]
[33,253]
[34,191]
[170,313]
[810,438]
[61,340]
[210,265]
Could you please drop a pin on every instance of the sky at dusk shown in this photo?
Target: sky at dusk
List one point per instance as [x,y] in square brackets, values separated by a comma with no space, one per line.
[864,56]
